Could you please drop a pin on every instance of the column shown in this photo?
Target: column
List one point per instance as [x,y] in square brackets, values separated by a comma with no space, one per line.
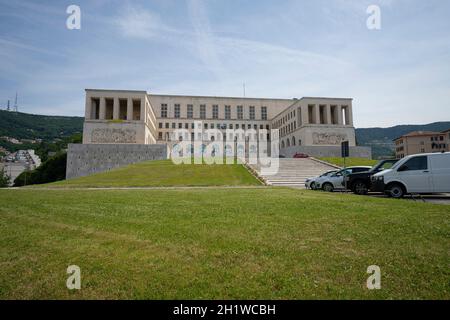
[116,108]
[339,112]
[129,109]
[317,113]
[299,117]
[88,108]
[143,109]
[350,115]
[102,114]
[328,114]
[305,114]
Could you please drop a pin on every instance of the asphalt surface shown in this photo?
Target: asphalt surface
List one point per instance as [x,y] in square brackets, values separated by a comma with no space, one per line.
[439,198]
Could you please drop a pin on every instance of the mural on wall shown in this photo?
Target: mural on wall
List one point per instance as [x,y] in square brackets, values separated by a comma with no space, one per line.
[106,135]
[328,138]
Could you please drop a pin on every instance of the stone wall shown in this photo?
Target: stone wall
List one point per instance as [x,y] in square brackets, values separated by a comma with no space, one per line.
[86,159]
[327,151]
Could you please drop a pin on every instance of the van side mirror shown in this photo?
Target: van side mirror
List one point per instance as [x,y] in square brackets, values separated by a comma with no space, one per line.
[403,168]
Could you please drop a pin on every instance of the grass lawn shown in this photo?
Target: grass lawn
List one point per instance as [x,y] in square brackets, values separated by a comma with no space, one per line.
[349,162]
[164,173]
[250,243]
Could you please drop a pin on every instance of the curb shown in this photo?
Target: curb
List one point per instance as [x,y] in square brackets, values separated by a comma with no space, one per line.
[324,162]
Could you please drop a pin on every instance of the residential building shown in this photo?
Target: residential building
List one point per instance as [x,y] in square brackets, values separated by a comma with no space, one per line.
[422,142]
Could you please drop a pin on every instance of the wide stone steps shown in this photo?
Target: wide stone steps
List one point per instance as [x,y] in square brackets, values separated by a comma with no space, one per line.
[294,172]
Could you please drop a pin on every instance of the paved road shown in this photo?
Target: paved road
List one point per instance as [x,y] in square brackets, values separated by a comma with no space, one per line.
[441,198]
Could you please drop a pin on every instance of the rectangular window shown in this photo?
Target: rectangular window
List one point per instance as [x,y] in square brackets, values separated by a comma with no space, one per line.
[228,112]
[202,111]
[215,112]
[159,135]
[264,113]
[164,110]
[160,125]
[167,125]
[251,112]
[416,163]
[177,111]
[190,111]
[240,112]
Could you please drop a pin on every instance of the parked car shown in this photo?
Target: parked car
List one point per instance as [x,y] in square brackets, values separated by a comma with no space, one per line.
[420,173]
[310,183]
[359,182]
[335,181]
[300,155]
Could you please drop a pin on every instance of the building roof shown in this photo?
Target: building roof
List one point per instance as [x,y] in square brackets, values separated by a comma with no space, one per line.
[419,134]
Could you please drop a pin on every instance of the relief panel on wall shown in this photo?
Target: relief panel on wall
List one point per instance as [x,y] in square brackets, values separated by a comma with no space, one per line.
[328,138]
[106,135]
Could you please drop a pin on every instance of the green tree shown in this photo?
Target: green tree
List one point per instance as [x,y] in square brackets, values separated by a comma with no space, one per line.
[4,179]
[54,169]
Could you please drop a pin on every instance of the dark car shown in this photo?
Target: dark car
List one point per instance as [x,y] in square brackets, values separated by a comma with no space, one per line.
[359,182]
[300,155]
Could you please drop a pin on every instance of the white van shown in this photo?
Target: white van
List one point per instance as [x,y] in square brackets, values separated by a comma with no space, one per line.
[419,173]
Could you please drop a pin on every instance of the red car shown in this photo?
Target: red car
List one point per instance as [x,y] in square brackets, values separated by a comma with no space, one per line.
[300,155]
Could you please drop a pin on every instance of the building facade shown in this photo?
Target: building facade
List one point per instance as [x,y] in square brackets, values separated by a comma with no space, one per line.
[422,142]
[137,117]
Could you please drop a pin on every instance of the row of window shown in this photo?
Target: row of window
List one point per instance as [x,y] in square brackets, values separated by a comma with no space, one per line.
[290,127]
[284,119]
[204,137]
[221,126]
[215,112]
[437,138]
[438,145]
[290,142]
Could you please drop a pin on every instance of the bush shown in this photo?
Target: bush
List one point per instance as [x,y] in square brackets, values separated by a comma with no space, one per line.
[54,169]
[4,179]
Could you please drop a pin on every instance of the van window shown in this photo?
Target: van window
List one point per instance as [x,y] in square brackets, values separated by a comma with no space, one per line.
[416,163]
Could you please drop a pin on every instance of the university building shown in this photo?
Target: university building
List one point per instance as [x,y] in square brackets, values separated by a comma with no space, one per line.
[126,126]
[316,126]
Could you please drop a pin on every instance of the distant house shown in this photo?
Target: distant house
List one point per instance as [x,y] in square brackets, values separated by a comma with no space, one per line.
[422,142]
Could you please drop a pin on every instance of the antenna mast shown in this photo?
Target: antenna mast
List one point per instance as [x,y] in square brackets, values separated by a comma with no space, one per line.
[16,107]
[243,85]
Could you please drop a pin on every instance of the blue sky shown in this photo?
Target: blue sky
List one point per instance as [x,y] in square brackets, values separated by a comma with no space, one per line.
[284,49]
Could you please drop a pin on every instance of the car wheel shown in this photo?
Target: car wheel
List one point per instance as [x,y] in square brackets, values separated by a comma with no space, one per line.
[395,191]
[360,188]
[313,186]
[327,187]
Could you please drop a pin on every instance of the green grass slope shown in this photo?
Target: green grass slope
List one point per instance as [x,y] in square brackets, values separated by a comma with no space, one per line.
[212,243]
[349,162]
[164,173]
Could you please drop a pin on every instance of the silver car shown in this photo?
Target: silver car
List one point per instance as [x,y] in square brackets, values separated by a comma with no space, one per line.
[335,181]
[310,183]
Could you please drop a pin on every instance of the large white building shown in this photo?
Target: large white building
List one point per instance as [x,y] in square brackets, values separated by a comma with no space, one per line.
[312,125]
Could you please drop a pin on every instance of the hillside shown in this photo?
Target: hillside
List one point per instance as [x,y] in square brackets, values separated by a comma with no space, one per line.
[32,126]
[380,139]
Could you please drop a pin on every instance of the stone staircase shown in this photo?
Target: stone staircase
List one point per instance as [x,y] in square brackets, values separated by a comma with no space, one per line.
[294,172]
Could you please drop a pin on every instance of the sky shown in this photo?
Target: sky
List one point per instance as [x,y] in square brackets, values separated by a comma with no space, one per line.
[399,74]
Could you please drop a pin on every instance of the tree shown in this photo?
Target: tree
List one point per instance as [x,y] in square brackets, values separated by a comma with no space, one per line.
[4,179]
[54,169]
